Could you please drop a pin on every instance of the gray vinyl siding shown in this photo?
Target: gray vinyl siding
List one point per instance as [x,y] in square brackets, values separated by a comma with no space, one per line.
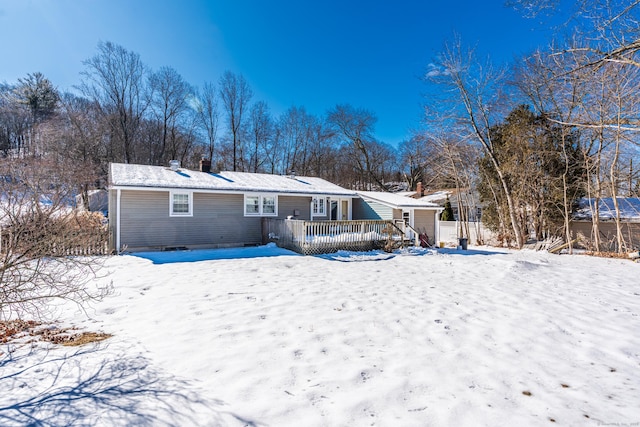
[218,220]
[583,230]
[288,205]
[363,209]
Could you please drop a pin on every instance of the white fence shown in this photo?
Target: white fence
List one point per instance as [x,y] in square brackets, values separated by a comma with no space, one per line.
[478,234]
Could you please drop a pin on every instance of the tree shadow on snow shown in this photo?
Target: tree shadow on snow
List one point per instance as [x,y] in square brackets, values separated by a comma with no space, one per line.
[41,389]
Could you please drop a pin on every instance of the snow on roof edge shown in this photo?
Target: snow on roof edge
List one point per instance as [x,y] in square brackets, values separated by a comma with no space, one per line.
[147,176]
[395,200]
[628,207]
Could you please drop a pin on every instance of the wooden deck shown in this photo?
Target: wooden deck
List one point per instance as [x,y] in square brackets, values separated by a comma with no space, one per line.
[320,237]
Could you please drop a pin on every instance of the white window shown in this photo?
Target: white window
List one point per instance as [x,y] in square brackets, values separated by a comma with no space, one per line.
[180,204]
[319,206]
[260,205]
[269,205]
[252,205]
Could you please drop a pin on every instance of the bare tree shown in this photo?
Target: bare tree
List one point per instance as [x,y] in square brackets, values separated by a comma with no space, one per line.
[169,102]
[73,139]
[558,96]
[456,160]
[43,243]
[356,127]
[235,94]
[15,123]
[622,86]
[321,148]
[415,158]
[477,88]
[262,129]
[115,80]
[208,116]
[596,103]
[297,132]
[609,28]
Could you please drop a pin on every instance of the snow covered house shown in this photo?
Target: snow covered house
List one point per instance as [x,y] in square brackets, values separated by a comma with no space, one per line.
[157,208]
[628,214]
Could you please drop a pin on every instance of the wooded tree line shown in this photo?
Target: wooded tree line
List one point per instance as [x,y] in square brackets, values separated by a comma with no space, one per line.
[122,111]
[528,140]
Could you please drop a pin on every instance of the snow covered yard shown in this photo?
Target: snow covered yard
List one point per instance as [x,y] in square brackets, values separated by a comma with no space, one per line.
[261,336]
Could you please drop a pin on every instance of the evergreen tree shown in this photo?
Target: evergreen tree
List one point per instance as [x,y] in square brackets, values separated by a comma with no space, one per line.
[38,94]
[534,154]
[447,213]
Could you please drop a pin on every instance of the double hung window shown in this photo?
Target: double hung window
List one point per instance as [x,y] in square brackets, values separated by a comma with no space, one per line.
[180,203]
[260,205]
[319,206]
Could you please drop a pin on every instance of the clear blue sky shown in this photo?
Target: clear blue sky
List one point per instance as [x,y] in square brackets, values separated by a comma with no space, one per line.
[317,54]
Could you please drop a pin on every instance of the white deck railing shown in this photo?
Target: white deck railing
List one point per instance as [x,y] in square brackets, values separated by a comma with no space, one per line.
[317,237]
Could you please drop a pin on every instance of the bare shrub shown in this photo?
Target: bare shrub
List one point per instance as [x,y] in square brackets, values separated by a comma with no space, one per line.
[46,247]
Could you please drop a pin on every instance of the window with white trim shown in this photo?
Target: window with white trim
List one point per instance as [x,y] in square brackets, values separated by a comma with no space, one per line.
[252,205]
[268,205]
[180,203]
[260,205]
[320,206]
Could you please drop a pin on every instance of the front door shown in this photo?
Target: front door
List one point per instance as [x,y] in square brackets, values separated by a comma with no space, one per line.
[339,210]
[407,217]
[334,210]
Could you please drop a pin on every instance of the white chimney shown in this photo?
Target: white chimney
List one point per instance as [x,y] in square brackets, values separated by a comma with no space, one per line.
[174,165]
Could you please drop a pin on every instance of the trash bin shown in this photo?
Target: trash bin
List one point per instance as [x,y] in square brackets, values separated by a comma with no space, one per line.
[463,243]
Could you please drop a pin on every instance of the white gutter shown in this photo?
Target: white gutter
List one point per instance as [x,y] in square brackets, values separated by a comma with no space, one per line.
[118,194]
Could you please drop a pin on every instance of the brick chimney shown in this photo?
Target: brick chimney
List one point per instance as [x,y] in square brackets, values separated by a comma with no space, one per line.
[418,190]
[205,165]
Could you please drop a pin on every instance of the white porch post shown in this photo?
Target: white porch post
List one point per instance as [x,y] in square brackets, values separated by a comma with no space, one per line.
[412,223]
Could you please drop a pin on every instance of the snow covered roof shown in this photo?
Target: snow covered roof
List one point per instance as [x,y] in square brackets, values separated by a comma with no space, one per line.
[129,175]
[437,197]
[629,208]
[405,193]
[397,201]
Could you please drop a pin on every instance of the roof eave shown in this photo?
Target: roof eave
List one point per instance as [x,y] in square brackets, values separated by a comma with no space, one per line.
[398,206]
[142,187]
